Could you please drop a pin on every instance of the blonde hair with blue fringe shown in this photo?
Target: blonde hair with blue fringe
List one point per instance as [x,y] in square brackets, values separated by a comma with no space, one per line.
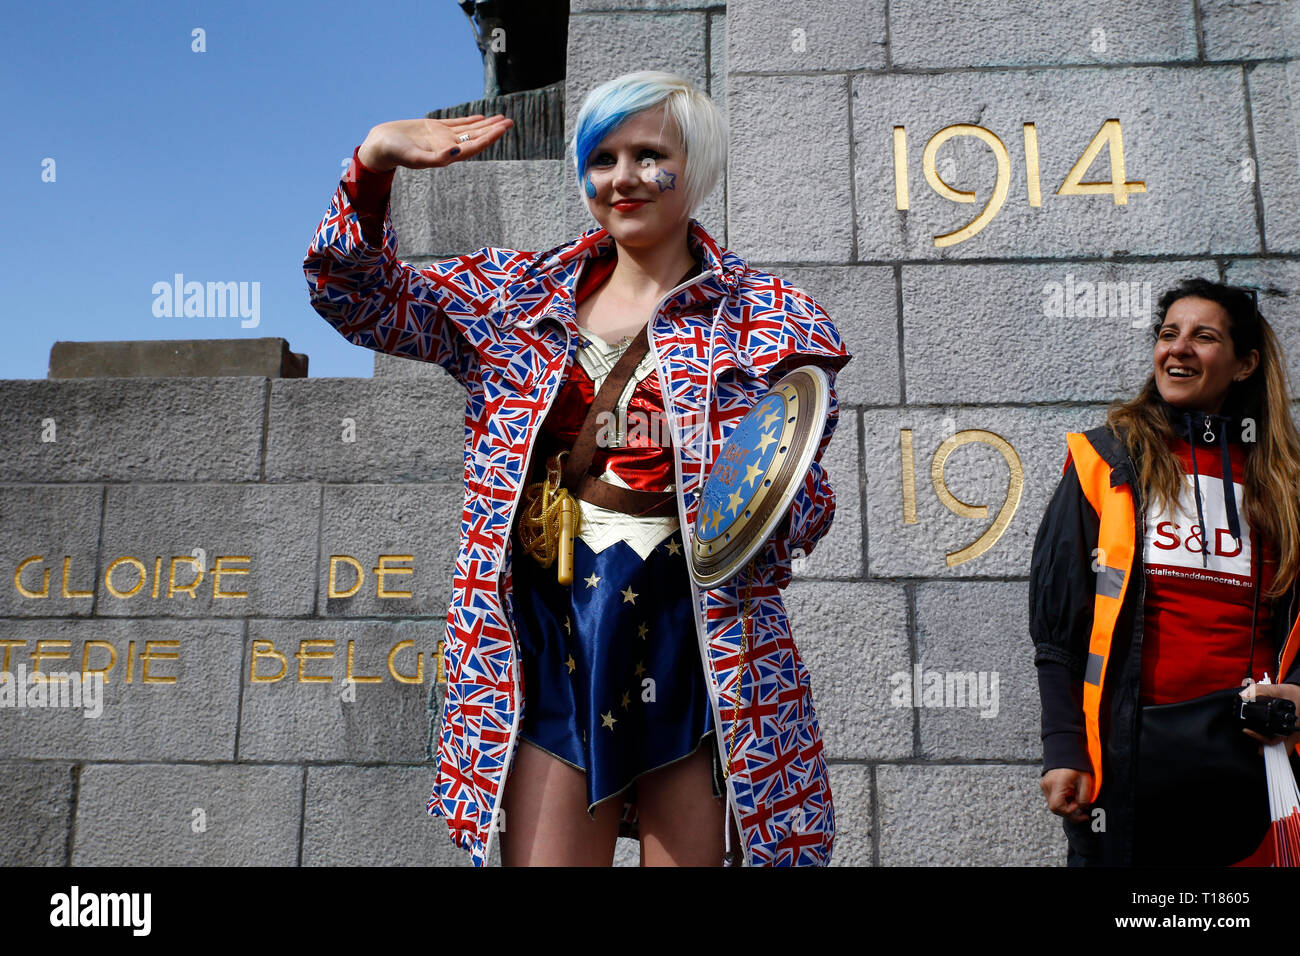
[703,129]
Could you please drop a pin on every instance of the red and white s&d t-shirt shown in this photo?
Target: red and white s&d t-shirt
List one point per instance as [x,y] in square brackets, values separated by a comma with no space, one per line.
[1200,584]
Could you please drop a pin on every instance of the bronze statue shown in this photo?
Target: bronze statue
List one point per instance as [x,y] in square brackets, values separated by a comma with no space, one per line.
[522,42]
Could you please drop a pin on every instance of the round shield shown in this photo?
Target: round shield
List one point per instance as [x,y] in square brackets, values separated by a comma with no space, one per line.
[757,474]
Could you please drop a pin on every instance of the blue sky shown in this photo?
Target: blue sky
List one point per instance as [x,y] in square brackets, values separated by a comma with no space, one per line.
[216,165]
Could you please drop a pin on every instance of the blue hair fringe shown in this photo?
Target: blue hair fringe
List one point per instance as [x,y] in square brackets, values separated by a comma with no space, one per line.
[608,115]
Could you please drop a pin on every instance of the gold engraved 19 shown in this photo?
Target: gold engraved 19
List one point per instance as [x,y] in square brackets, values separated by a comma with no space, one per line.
[1015,488]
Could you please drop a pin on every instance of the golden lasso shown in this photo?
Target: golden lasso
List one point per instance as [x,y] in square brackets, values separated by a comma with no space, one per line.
[549,521]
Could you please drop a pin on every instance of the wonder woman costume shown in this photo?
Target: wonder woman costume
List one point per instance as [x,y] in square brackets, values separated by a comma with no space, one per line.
[613,683]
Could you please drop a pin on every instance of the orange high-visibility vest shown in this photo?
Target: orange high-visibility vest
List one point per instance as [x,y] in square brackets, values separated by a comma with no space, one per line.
[1113,566]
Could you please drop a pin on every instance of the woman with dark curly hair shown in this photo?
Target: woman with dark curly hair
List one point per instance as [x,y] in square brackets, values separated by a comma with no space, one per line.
[1163,579]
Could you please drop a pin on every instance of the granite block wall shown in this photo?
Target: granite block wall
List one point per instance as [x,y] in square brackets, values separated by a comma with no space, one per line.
[228,552]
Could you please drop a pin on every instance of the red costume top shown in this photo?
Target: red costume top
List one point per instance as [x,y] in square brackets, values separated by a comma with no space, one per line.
[636,443]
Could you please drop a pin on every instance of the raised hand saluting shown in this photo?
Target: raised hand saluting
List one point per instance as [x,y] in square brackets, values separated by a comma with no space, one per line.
[425,143]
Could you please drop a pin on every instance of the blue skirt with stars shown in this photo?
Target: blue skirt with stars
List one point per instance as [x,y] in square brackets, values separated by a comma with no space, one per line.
[613,683]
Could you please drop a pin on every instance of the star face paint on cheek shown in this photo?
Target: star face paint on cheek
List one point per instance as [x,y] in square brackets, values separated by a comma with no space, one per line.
[652,175]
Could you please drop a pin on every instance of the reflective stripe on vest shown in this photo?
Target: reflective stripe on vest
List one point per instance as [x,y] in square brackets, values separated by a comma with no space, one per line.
[1289,649]
[1112,564]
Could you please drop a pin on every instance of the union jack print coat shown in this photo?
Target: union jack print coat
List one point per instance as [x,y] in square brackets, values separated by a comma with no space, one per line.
[503,323]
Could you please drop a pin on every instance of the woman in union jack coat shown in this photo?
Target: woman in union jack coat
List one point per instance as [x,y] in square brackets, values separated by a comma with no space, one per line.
[609,698]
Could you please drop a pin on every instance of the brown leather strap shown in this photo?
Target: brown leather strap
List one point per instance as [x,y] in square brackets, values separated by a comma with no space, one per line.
[584,449]
[631,501]
[586,487]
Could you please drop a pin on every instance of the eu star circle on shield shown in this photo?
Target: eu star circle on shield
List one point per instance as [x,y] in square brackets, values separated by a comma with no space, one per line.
[757,474]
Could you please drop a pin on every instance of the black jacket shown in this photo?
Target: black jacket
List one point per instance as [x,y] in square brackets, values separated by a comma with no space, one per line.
[1061,594]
